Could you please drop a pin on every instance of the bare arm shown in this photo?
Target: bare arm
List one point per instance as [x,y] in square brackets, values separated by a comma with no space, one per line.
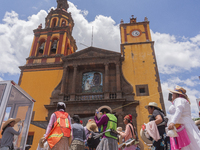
[158,119]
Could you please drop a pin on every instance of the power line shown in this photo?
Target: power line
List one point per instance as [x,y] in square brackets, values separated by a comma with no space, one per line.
[84,45]
[92,37]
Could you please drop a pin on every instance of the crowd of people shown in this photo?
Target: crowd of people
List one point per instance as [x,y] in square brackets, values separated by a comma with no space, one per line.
[101,132]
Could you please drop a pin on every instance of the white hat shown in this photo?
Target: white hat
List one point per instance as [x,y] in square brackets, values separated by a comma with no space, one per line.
[9,121]
[152,104]
[107,107]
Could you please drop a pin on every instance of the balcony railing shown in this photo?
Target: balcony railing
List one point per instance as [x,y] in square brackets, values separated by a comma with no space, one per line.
[89,97]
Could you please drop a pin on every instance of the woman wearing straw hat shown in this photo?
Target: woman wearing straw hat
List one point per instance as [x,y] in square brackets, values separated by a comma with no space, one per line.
[90,129]
[8,133]
[181,119]
[163,142]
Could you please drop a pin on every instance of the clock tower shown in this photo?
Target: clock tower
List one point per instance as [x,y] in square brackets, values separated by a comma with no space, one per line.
[139,66]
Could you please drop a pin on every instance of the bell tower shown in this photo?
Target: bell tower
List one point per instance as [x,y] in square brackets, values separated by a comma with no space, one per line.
[43,70]
[55,39]
[139,66]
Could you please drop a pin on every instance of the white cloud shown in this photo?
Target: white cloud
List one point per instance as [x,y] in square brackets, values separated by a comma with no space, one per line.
[106,32]
[192,81]
[16,38]
[1,79]
[16,35]
[174,56]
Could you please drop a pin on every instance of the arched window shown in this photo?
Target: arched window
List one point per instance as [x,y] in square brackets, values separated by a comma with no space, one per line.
[41,47]
[54,46]
[63,24]
[54,23]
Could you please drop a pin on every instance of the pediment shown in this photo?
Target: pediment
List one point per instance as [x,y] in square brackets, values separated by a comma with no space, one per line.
[92,52]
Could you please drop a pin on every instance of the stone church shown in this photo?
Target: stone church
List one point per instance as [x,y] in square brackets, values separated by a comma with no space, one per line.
[89,78]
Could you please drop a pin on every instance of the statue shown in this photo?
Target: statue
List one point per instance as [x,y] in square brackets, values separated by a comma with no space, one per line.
[40,26]
[63,23]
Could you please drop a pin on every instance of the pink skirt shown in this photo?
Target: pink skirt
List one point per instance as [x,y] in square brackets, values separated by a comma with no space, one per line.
[181,141]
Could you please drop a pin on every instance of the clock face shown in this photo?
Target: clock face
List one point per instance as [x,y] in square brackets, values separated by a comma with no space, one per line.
[135,33]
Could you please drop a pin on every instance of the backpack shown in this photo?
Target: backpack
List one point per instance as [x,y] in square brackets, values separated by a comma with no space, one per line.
[91,142]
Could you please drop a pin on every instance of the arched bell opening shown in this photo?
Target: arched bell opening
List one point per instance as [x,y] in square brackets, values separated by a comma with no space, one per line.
[41,47]
[54,23]
[54,46]
[63,23]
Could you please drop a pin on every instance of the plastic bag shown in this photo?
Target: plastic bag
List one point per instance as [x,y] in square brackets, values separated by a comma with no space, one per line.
[171,133]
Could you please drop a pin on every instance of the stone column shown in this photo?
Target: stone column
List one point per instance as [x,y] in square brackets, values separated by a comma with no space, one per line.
[58,21]
[35,45]
[106,83]
[118,81]
[64,80]
[72,97]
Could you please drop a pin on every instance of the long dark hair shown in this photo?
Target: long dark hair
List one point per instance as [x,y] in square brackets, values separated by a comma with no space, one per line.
[5,128]
[105,110]
[134,128]
[76,119]
[156,108]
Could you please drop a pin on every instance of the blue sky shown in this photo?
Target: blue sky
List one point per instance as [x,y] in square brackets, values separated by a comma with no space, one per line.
[174,28]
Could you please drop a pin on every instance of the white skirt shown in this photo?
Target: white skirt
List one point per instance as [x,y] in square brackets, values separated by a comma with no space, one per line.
[194,136]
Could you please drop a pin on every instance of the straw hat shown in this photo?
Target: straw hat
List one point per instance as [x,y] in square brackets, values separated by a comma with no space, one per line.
[144,138]
[152,104]
[107,107]
[92,126]
[180,90]
[9,121]
[41,142]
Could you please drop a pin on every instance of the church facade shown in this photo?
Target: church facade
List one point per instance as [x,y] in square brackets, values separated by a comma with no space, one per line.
[92,77]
